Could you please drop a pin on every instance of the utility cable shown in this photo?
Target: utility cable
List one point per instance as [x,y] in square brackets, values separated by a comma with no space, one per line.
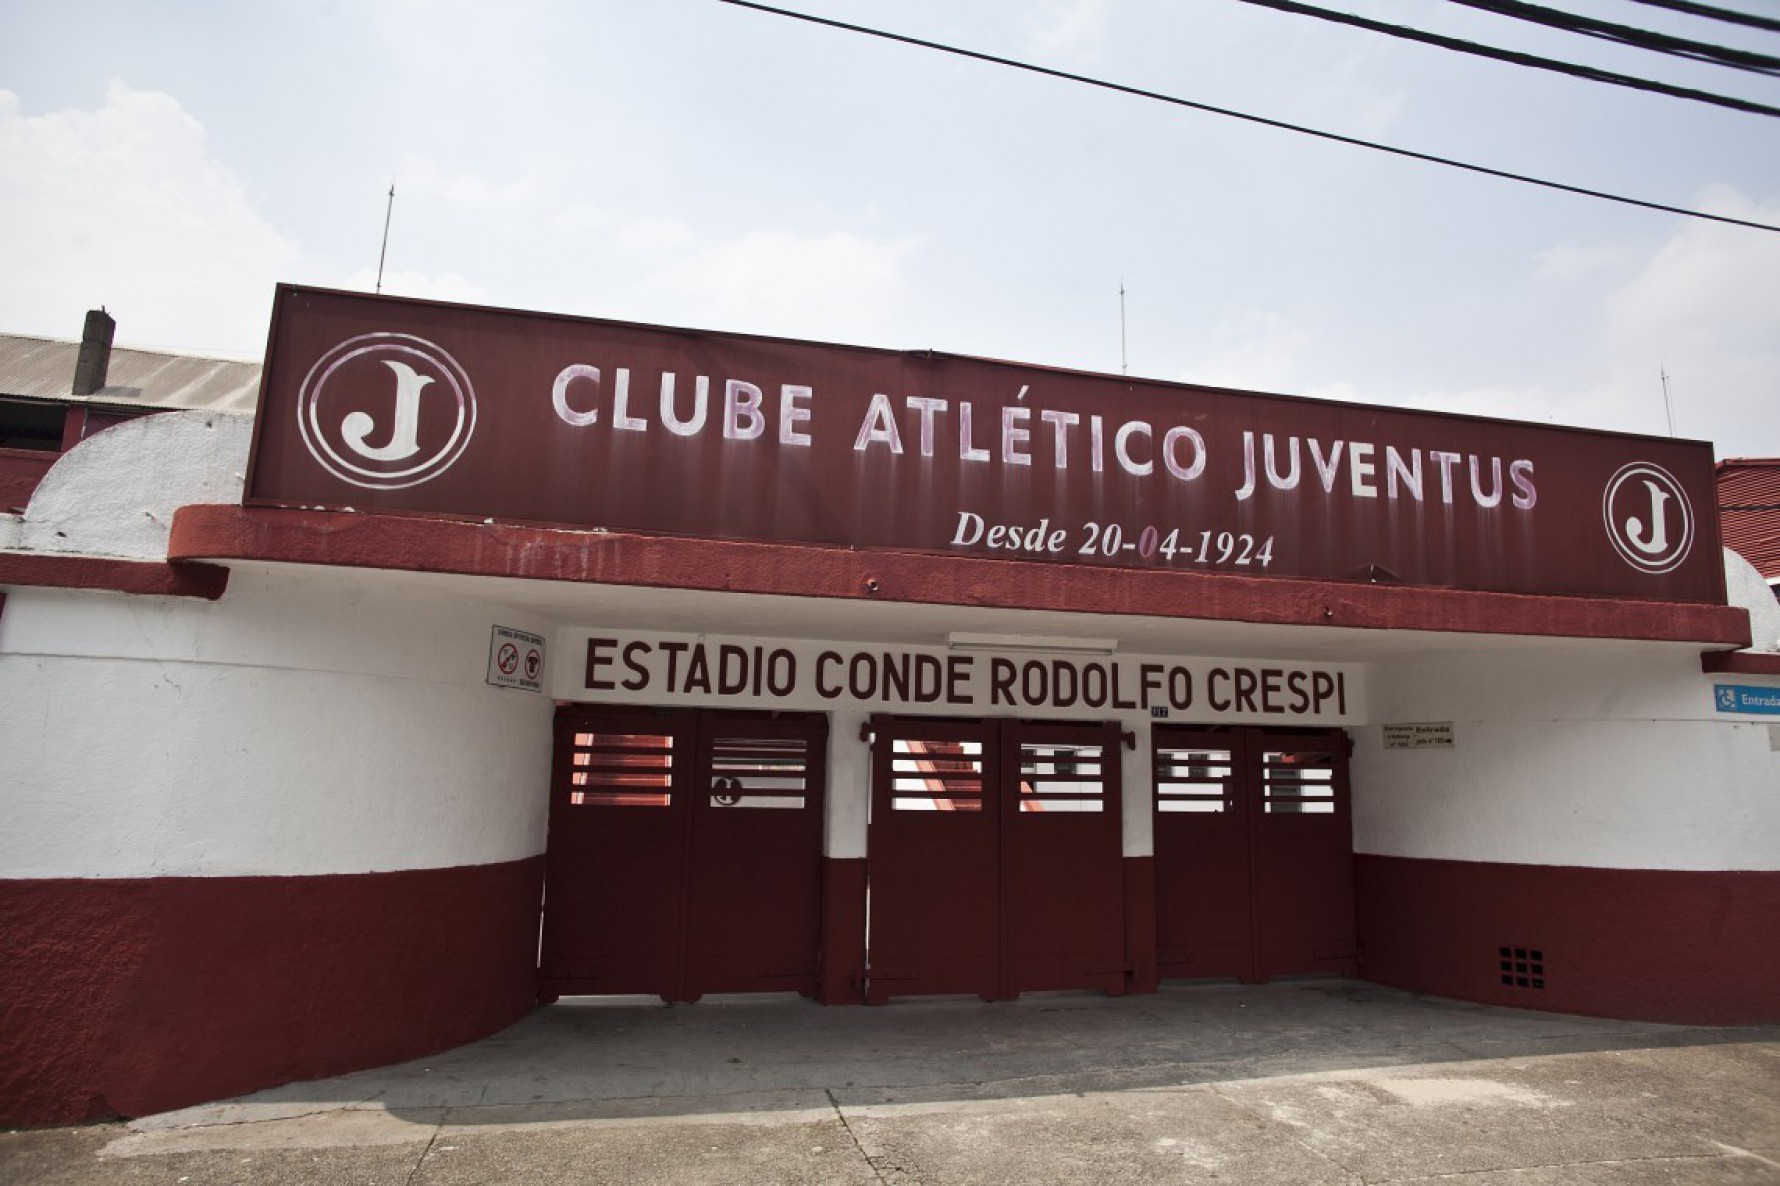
[1714,13]
[1662,43]
[1335,137]
[1519,59]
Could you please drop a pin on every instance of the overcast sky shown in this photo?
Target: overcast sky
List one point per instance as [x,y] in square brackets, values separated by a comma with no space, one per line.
[684,162]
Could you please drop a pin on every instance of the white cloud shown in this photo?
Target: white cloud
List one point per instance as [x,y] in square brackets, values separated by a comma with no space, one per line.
[410,282]
[1068,28]
[1567,262]
[649,235]
[1347,95]
[1705,308]
[834,285]
[426,178]
[1702,307]
[1257,350]
[126,207]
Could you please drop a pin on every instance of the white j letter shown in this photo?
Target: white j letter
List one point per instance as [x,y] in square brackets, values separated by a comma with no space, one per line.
[404,439]
[1659,527]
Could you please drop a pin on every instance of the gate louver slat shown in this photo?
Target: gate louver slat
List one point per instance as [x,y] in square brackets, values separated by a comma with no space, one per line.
[759,772]
[1192,778]
[1066,778]
[621,770]
[1300,782]
[929,774]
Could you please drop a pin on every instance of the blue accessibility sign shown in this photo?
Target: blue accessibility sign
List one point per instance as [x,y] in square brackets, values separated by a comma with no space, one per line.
[1743,698]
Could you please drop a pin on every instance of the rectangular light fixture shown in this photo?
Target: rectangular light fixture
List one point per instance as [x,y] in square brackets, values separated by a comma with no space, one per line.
[1031,643]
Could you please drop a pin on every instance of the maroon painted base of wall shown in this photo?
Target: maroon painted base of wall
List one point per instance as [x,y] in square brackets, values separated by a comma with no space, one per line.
[125,997]
[1140,924]
[1638,944]
[843,932]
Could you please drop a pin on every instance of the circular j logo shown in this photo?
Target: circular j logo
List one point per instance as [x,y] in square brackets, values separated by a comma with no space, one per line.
[385,411]
[1648,517]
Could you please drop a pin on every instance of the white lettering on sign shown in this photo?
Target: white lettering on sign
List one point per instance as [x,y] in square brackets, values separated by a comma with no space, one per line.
[1031,437]
[805,675]
[1402,471]
[1010,437]
[1427,735]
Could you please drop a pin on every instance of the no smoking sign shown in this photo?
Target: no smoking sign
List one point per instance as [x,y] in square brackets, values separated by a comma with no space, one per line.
[515,659]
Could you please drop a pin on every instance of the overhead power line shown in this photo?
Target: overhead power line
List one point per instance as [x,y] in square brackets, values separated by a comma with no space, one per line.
[1662,43]
[1712,12]
[1157,96]
[1518,58]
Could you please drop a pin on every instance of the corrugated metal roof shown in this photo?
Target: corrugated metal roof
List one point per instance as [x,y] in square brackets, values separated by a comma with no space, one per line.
[43,368]
[1749,482]
[1749,510]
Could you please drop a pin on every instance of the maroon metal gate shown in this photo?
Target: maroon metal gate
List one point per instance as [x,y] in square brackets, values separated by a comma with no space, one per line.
[1254,853]
[995,859]
[685,853]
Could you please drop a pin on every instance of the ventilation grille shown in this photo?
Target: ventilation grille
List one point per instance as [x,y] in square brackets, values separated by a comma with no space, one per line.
[1521,967]
[1299,782]
[1191,779]
[621,770]
[932,775]
[768,772]
[1062,778]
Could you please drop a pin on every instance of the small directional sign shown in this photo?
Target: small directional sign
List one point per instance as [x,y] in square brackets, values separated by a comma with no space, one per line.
[1423,735]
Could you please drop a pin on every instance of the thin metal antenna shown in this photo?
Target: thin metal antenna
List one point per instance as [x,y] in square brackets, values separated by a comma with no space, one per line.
[1668,406]
[1124,366]
[383,251]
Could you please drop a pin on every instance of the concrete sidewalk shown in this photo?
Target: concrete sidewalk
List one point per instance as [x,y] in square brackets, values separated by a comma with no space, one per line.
[1304,1082]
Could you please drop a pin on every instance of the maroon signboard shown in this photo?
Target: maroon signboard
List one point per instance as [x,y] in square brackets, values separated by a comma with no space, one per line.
[388,405]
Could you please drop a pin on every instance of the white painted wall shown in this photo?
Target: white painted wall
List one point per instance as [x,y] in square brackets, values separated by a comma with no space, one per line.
[114,494]
[308,723]
[1597,756]
[1744,586]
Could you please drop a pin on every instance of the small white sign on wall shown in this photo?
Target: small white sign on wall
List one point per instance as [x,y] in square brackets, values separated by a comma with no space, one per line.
[1426,735]
[515,659]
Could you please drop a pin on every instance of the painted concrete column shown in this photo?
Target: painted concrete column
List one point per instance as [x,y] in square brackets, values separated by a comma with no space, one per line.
[1135,773]
[842,980]
[849,787]
[1138,820]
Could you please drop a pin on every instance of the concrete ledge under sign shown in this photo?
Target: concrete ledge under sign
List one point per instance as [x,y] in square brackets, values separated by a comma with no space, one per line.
[1741,662]
[339,539]
[144,577]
